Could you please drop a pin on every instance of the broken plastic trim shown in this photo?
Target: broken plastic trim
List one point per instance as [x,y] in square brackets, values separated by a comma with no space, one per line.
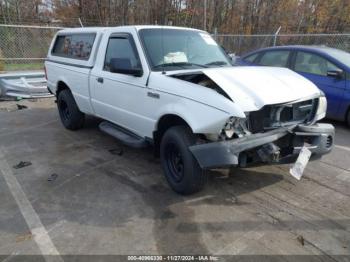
[232,152]
[226,153]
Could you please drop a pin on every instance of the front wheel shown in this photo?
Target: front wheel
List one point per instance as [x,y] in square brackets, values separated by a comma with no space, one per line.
[181,169]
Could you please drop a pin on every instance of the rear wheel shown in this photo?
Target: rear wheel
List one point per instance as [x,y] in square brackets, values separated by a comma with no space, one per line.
[181,169]
[70,115]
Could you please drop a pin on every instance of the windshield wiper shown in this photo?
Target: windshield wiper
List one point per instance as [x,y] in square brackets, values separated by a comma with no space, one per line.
[179,64]
[218,63]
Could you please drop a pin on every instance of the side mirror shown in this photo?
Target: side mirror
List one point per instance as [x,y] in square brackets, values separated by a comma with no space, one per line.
[233,57]
[335,73]
[123,66]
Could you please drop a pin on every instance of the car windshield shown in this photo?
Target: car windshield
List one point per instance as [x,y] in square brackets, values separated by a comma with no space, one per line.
[176,49]
[342,56]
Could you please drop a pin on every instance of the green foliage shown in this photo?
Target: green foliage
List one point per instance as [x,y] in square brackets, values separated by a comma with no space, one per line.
[23,66]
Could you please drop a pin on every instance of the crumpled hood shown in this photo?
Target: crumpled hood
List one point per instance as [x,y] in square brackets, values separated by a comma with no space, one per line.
[253,87]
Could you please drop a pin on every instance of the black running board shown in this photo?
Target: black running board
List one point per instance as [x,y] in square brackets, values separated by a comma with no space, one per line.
[125,136]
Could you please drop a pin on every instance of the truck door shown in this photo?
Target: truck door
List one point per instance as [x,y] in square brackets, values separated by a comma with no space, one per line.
[119,97]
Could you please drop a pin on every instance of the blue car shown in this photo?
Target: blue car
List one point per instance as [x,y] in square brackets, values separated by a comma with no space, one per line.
[327,68]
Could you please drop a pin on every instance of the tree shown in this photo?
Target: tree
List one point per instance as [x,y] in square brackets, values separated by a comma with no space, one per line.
[228,16]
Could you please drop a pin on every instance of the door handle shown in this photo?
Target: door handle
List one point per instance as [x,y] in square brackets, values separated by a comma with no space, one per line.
[99,79]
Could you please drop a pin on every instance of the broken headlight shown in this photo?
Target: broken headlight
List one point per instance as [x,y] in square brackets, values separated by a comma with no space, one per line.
[235,127]
[322,107]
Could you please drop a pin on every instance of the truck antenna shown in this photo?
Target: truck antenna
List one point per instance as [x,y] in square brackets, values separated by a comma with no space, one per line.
[81,24]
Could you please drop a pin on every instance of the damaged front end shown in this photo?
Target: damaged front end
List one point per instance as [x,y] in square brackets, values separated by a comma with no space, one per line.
[274,134]
[277,146]
[274,116]
[279,120]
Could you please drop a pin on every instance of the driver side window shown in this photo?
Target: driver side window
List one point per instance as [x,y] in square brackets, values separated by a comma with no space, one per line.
[121,47]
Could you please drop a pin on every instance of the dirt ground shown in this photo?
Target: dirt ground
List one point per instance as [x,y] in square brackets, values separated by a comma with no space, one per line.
[86,194]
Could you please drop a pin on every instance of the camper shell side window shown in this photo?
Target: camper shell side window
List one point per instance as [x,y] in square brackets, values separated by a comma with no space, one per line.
[75,46]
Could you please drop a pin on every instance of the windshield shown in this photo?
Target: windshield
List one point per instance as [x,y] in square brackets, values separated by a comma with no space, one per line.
[342,56]
[175,49]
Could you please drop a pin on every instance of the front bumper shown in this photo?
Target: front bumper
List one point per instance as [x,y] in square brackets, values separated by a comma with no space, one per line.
[281,145]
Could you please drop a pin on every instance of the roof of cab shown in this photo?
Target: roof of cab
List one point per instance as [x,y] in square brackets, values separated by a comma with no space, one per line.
[82,29]
[137,27]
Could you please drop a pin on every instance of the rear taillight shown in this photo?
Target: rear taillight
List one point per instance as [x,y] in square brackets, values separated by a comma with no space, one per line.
[45,72]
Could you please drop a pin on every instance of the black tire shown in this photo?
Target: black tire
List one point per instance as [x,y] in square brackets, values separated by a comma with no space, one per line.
[181,169]
[348,118]
[70,115]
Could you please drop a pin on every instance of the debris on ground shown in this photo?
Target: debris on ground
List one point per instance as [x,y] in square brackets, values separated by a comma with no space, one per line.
[27,236]
[22,164]
[20,107]
[4,109]
[52,177]
[232,199]
[9,104]
[116,151]
[301,240]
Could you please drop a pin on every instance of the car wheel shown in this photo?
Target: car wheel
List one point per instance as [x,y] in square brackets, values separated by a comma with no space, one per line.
[348,118]
[70,115]
[181,169]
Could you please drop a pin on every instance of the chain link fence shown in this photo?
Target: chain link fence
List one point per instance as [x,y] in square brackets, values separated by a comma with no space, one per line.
[241,44]
[25,47]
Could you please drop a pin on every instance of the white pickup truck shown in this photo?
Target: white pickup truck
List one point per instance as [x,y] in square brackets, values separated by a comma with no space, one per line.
[174,88]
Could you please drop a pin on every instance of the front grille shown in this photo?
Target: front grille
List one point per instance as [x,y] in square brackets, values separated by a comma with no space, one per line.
[273,116]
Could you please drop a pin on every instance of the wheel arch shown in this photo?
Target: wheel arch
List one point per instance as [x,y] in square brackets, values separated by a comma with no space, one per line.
[164,123]
[61,85]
